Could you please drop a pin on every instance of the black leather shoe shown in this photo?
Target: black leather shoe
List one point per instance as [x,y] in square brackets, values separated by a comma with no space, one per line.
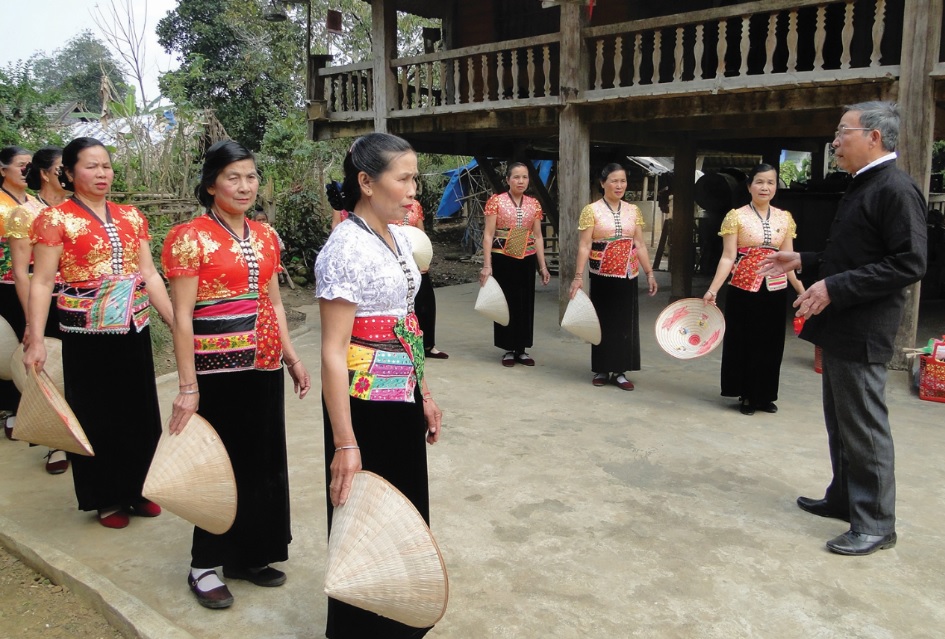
[769,407]
[216,598]
[746,408]
[823,508]
[268,577]
[854,543]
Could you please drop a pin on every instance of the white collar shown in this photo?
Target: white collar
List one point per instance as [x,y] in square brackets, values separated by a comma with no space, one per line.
[886,158]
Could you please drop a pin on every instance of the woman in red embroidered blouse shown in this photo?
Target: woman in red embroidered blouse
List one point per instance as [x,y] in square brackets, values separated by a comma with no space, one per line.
[231,337]
[512,244]
[14,161]
[755,306]
[612,246]
[101,249]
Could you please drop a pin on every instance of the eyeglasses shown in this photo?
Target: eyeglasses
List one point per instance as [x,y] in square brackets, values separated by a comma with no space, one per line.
[842,129]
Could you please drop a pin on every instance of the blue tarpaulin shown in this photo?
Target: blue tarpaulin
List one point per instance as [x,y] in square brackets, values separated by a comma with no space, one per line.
[451,202]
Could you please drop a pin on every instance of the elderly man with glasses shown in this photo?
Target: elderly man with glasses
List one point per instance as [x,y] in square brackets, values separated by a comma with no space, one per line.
[877,247]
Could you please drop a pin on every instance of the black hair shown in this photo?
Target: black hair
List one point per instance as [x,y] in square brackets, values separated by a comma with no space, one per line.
[336,198]
[218,157]
[70,157]
[761,168]
[371,154]
[43,160]
[7,154]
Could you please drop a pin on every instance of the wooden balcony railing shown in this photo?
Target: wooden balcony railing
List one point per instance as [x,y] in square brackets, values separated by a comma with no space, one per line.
[763,39]
[765,43]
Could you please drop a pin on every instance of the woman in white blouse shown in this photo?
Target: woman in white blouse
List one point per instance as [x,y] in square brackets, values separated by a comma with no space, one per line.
[377,407]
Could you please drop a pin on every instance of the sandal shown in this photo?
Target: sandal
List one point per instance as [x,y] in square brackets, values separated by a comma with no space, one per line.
[508,360]
[600,379]
[218,597]
[523,358]
[56,462]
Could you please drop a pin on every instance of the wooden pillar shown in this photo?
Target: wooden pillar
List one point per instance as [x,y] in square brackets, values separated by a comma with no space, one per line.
[574,157]
[920,45]
[682,256]
[383,50]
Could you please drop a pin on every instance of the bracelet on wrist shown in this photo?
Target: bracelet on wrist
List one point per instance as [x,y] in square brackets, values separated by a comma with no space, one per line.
[291,364]
[347,448]
[187,385]
[189,392]
[712,293]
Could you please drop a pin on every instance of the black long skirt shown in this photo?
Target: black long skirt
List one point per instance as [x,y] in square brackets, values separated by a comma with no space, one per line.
[392,438]
[753,344]
[517,279]
[12,312]
[617,306]
[425,308]
[110,387]
[247,409]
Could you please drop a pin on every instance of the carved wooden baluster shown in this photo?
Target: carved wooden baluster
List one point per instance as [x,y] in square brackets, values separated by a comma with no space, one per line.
[599,64]
[530,66]
[444,84]
[657,55]
[745,44]
[637,57]
[678,58]
[500,74]
[457,94]
[515,74]
[879,27]
[820,36]
[698,50]
[471,78]
[546,68]
[404,85]
[722,48]
[792,41]
[771,42]
[846,36]
[333,93]
[417,99]
[431,85]
[618,60]
[350,88]
[486,95]
[370,90]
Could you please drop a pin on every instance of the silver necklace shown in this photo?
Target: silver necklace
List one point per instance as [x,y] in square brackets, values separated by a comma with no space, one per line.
[245,245]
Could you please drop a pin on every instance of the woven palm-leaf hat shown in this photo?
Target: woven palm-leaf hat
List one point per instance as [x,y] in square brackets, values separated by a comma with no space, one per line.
[8,344]
[491,302]
[45,418]
[580,318]
[422,247]
[383,558]
[191,476]
[53,365]
[690,328]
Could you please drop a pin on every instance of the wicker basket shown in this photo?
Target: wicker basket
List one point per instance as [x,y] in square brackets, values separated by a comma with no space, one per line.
[931,379]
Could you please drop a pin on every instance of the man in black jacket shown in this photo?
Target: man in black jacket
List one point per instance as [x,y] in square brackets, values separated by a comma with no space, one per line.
[876,248]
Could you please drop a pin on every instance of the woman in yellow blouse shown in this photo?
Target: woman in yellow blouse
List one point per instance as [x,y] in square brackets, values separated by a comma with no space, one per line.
[755,306]
[612,247]
[512,243]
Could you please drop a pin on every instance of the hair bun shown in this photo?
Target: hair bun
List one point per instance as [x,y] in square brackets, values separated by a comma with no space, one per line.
[335,196]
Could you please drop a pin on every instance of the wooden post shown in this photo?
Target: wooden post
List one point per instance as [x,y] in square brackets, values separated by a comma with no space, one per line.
[383,50]
[682,257]
[920,45]
[574,158]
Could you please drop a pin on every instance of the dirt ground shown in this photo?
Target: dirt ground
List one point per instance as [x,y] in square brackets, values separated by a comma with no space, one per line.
[32,606]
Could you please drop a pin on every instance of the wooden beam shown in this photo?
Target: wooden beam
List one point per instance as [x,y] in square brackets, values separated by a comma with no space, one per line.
[682,257]
[920,47]
[548,204]
[487,167]
[383,50]
[574,165]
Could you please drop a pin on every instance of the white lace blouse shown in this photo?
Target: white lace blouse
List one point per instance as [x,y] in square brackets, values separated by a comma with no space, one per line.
[357,266]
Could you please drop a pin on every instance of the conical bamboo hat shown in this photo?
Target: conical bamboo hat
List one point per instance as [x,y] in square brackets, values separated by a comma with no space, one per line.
[580,318]
[491,302]
[8,343]
[382,556]
[53,365]
[422,247]
[191,476]
[45,418]
[690,328]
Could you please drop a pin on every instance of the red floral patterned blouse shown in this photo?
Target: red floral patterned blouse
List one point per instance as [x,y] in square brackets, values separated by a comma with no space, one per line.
[86,249]
[202,248]
[503,208]
[414,215]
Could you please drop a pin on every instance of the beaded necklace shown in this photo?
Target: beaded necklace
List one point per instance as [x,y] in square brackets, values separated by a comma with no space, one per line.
[765,224]
[118,251]
[398,255]
[519,211]
[618,225]
[245,245]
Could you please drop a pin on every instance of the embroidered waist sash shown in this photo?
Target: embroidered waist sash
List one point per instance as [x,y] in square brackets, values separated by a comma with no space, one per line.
[225,334]
[614,257]
[112,306]
[515,242]
[745,274]
[385,358]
